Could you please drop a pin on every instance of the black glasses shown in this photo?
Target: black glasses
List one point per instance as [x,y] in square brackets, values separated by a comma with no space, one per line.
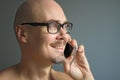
[53,27]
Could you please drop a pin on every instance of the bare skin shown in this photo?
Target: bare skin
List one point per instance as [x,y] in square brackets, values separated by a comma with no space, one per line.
[40,50]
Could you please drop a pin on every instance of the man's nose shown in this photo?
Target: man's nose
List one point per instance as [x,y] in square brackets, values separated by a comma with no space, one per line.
[62,34]
[62,31]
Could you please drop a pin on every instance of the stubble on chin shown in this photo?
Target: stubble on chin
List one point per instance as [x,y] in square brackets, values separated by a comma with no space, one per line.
[58,60]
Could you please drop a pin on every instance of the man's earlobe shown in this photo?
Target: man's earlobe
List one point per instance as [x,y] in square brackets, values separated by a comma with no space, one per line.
[21,34]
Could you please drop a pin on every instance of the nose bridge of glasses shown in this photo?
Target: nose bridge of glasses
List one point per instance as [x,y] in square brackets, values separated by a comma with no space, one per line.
[62,28]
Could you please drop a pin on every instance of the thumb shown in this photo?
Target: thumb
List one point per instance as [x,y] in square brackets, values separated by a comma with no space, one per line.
[67,64]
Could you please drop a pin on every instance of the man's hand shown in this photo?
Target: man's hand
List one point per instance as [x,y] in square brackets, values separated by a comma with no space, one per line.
[78,68]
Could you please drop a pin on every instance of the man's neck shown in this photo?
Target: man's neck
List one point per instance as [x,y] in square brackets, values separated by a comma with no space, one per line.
[30,71]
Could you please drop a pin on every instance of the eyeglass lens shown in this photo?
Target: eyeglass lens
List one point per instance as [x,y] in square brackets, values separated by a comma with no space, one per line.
[54,27]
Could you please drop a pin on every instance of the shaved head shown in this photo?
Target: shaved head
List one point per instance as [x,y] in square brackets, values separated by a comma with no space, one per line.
[37,11]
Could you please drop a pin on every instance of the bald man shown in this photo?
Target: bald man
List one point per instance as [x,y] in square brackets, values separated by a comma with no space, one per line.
[42,31]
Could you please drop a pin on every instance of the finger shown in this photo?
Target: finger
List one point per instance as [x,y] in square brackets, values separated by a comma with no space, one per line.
[74,43]
[67,64]
[75,47]
[83,63]
[81,58]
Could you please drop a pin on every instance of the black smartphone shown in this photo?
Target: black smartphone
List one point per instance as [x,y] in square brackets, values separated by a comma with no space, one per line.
[68,50]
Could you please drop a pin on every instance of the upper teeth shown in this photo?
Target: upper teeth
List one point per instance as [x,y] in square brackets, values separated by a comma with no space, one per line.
[58,46]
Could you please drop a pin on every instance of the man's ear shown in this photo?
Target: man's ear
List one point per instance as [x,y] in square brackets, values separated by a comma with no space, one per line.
[21,33]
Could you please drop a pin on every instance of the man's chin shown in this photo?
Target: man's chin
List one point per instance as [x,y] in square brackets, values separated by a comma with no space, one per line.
[58,60]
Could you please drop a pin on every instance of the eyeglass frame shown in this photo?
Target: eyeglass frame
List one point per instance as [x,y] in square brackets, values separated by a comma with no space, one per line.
[36,24]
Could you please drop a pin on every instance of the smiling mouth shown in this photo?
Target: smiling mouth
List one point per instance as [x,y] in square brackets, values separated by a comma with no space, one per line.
[59,47]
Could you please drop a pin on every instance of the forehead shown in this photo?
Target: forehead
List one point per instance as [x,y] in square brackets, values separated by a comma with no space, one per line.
[48,11]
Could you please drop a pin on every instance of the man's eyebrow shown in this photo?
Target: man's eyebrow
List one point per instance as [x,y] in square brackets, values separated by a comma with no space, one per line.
[53,20]
[57,21]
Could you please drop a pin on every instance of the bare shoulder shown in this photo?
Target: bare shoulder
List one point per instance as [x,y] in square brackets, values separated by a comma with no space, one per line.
[60,75]
[8,74]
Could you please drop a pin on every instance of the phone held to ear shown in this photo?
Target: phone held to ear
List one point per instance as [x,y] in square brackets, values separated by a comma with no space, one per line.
[69,50]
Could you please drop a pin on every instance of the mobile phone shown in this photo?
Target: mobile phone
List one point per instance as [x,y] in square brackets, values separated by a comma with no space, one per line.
[68,50]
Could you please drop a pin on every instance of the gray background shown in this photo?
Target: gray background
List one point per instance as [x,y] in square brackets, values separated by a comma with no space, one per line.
[96,25]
